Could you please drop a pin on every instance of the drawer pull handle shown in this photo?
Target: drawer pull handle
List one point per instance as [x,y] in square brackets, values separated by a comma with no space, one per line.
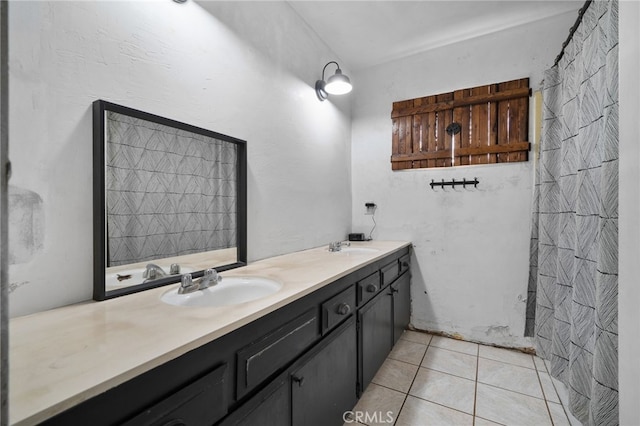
[372,288]
[298,380]
[344,309]
[394,290]
[405,264]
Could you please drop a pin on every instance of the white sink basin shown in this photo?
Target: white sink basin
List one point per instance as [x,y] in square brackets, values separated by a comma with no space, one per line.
[134,276]
[230,291]
[355,250]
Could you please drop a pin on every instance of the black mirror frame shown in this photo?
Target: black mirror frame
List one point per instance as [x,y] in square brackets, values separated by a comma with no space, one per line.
[99,204]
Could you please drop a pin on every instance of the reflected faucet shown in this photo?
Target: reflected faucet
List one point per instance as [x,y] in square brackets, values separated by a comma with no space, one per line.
[209,279]
[153,272]
[174,269]
[337,246]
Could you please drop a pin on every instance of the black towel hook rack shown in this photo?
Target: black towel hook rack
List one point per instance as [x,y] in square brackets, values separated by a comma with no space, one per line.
[452,183]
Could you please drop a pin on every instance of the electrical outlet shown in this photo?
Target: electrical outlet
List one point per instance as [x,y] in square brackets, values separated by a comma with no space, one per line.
[370,208]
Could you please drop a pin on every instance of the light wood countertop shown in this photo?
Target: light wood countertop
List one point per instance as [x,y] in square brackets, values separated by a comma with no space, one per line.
[61,357]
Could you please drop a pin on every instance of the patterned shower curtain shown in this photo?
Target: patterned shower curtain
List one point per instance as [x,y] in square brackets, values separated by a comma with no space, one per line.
[169,192]
[576,237]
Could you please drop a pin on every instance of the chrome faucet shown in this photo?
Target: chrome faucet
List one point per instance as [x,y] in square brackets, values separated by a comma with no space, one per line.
[174,269]
[337,246]
[153,272]
[209,279]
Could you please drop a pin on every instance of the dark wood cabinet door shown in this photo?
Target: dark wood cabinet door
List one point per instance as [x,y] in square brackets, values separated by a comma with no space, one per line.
[375,335]
[324,386]
[200,403]
[401,305]
[271,406]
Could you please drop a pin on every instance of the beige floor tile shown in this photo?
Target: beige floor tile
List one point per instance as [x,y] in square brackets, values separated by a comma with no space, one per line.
[396,375]
[539,363]
[444,389]
[455,345]
[418,412]
[451,362]
[408,351]
[510,377]
[563,396]
[510,408]
[507,355]
[558,415]
[441,392]
[550,393]
[479,421]
[378,405]
[416,336]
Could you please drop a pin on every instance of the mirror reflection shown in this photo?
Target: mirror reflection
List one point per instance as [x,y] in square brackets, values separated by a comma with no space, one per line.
[172,200]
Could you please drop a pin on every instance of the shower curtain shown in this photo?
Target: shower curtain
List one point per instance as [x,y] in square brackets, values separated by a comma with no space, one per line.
[575,272]
[169,192]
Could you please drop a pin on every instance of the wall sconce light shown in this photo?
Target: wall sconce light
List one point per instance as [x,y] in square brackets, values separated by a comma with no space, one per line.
[337,84]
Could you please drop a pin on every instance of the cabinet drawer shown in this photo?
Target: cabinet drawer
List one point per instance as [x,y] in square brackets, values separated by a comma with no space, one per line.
[389,273]
[202,402]
[337,309]
[405,263]
[368,287]
[259,360]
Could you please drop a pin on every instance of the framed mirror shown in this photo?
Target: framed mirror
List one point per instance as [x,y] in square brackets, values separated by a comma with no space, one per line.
[169,198]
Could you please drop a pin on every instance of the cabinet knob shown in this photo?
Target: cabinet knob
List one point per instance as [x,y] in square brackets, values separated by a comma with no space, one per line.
[372,288]
[298,380]
[344,309]
[405,264]
[394,290]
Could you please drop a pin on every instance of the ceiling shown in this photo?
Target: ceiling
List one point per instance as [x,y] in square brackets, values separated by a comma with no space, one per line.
[368,33]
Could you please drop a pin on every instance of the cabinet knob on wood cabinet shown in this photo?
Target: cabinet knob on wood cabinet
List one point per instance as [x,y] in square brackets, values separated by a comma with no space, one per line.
[344,309]
[298,380]
[394,290]
[372,288]
[405,264]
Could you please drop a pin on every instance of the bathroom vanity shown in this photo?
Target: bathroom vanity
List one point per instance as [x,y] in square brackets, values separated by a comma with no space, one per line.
[301,356]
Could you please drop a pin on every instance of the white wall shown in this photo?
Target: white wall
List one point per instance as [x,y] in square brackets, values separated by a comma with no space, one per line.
[629,224]
[471,246]
[178,61]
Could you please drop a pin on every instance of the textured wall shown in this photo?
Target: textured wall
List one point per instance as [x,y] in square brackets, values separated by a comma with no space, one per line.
[471,246]
[186,63]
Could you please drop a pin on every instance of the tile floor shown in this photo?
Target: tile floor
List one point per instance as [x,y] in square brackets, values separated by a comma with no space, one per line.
[434,380]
